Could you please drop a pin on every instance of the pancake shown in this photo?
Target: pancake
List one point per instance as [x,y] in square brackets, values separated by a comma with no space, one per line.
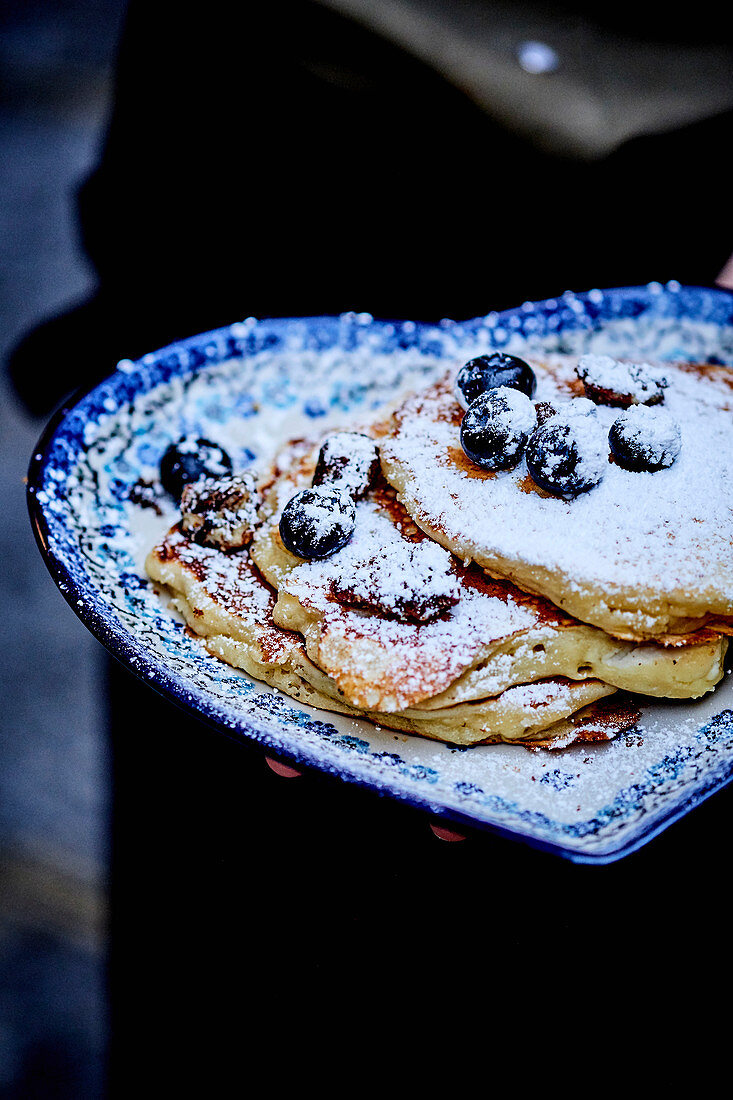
[225,601]
[642,556]
[494,637]
[394,629]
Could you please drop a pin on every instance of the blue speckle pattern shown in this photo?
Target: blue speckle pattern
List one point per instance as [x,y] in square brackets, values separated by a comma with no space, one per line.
[255,383]
[558,780]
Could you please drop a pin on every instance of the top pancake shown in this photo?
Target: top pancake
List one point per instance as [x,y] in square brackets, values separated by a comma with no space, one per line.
[642,555]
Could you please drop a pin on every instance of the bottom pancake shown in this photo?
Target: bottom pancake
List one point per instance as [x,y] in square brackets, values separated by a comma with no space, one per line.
[224,600]
[521,713]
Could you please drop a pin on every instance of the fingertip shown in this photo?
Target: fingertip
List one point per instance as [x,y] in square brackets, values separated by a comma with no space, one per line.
[284,770]
[444,833]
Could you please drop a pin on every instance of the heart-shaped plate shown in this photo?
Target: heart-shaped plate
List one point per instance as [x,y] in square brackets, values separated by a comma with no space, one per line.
[254,384]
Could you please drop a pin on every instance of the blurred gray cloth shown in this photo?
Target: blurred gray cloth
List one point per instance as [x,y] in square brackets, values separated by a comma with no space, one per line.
[607,86]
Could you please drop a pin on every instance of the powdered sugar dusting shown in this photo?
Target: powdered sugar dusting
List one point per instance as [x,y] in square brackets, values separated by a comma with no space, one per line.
[622,382]
[514,409]
[348,460]
[663,532]
[543,693]
[651,432]
[421,660]
[220,512]
[231,582]
[412,582]
[319,512]
[316,521]
[580,427]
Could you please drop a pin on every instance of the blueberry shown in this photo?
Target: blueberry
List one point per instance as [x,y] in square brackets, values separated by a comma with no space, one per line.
[644,438]
[567,455]
[487,372]
[495,430]
[188,460]
[317,522]
[348,460]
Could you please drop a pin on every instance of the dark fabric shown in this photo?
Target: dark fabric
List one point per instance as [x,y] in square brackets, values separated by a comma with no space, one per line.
[273,159]
[276,159]
[289,925]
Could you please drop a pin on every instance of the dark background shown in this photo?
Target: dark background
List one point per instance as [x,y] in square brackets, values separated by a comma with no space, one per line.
[164,894]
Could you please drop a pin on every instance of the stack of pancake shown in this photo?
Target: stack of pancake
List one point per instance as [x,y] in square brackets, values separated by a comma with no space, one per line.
[473,606]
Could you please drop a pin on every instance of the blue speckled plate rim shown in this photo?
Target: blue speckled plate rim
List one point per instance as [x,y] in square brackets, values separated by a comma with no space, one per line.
[175,688]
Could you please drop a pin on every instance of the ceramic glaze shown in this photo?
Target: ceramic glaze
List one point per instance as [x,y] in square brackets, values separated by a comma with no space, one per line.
[254,384]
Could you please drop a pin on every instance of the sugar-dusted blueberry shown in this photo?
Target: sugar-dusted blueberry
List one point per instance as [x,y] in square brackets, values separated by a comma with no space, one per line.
[496,427]
[348,460]
[567,455]
[188,460]
[644,439]
[488,372]
[317,522]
